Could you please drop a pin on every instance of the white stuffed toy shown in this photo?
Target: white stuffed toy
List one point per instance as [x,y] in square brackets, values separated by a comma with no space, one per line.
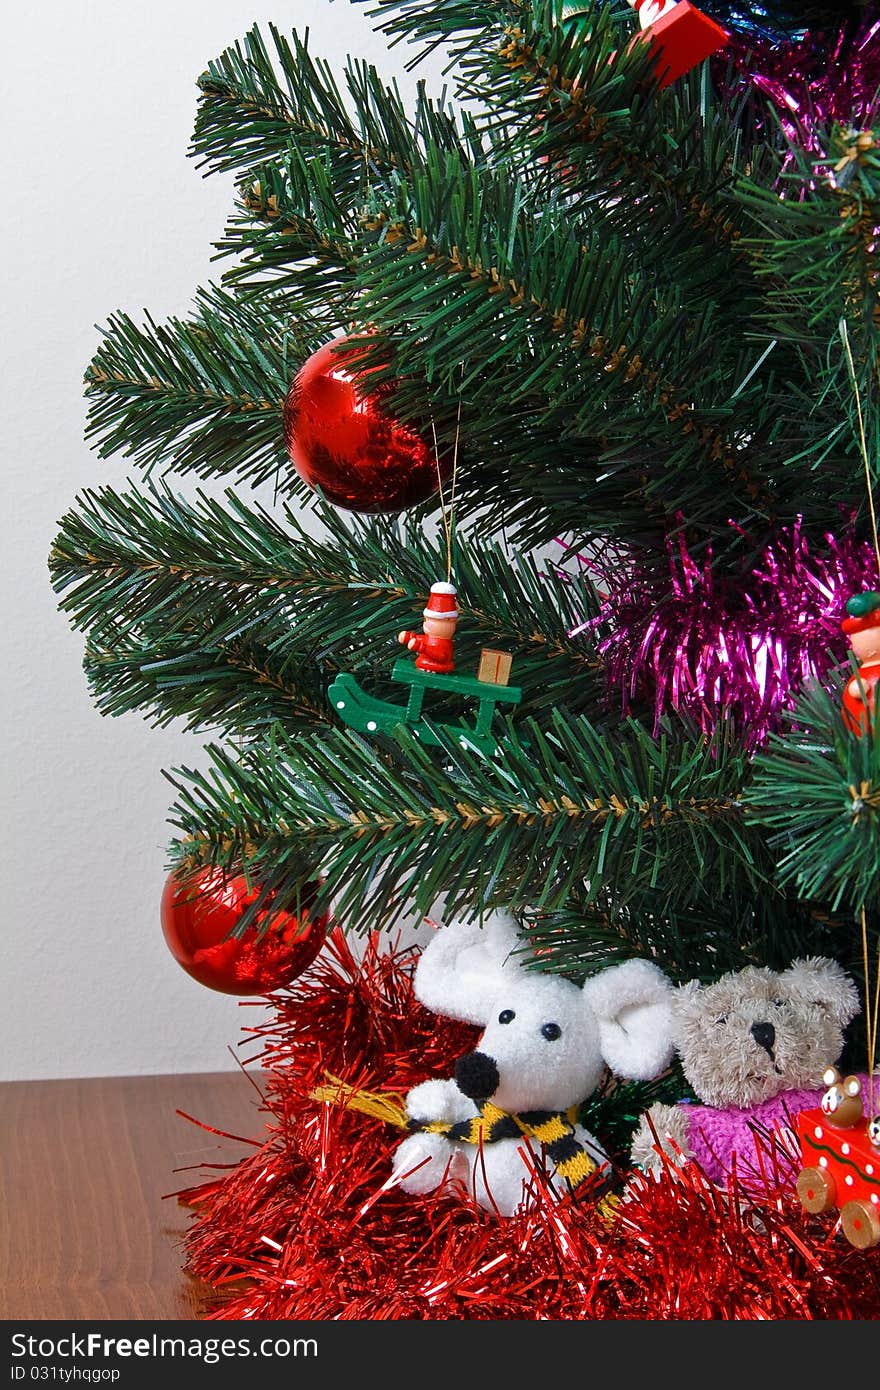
[544,1049]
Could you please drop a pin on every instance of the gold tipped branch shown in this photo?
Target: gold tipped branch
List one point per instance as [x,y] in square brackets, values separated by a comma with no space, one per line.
[622,359]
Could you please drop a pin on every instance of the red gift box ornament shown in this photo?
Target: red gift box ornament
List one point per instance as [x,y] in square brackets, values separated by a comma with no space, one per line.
[680,35]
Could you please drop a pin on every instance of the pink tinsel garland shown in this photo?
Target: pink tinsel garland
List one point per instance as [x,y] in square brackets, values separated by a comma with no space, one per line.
[679,636]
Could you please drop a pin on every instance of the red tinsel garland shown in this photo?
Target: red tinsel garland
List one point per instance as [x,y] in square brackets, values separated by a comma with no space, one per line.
[309,1227]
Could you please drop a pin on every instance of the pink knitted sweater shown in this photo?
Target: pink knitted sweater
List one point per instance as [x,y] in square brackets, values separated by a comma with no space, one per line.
[715,1136]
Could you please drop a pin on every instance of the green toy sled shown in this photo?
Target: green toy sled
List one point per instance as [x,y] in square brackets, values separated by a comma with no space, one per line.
[370,715]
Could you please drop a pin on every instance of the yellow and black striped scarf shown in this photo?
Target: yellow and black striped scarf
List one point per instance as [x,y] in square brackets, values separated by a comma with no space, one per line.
[553,1129]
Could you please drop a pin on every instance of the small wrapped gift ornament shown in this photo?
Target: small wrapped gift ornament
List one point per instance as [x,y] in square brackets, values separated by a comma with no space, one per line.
[494,666]
[680,35]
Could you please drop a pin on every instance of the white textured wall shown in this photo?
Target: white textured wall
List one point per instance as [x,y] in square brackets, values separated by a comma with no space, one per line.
[101,210]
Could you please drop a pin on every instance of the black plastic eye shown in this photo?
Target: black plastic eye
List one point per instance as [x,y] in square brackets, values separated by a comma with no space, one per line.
[506,1016]
[778,1003]
[722,1019]
[551,1031]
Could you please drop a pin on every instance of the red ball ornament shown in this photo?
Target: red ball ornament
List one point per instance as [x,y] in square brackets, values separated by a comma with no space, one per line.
[341,440]
[198,914]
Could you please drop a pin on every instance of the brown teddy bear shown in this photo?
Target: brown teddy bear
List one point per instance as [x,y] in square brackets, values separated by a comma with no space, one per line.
[754,1047]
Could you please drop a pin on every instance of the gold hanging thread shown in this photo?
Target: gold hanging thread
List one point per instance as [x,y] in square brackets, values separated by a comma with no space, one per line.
[448,516]
[871,1009]
[844,333]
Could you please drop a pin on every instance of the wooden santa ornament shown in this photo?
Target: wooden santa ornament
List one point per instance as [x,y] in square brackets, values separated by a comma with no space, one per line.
[862,627]
[433,644]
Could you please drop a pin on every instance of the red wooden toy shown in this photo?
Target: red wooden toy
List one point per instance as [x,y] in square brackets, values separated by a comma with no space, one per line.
[841,1167]
[434,643]
[862,627]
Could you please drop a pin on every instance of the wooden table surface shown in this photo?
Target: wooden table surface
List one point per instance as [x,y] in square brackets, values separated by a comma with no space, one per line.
[84,1167]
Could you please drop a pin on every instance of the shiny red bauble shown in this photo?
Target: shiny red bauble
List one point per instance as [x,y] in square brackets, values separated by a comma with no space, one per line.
[199,913]
[341,440]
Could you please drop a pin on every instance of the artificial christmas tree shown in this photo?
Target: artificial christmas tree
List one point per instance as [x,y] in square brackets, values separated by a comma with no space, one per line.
[642,317]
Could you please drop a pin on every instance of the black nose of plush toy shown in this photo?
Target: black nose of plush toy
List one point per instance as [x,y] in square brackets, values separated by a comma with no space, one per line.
[476,1075]
[764,1035]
